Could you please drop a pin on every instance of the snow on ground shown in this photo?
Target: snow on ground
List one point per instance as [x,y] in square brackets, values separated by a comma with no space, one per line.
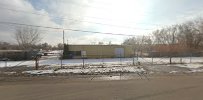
[55,61]
[173,72]
[8,73]
[56,51]
[16,63]
[196,70]
[111,65]
[192,71]
[39,72]
[88,70]
[193,65]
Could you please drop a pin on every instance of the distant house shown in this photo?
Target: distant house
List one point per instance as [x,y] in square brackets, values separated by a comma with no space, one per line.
[17,54]
[99,51]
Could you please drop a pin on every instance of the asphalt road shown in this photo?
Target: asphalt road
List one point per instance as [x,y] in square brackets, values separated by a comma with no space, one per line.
[186,87]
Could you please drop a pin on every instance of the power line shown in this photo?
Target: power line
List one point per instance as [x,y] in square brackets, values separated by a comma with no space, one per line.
[63,18]
[58,28]
[41,30]
[93,17]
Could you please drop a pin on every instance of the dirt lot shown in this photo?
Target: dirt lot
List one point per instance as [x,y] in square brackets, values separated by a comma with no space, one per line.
[159,87]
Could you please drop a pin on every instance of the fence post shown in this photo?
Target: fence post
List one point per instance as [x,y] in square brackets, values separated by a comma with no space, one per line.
[5,63]
[61,57]
[5,60]
[37,62]
[83,62]
[152,60]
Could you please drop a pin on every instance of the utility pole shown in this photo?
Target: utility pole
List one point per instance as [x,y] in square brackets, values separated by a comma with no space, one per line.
[83,62]
[63,48]
[102,57]
[63,37]
[120,58]
[6,59]
[5,63]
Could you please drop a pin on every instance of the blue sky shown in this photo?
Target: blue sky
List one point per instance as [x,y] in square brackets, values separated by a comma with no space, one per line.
[130,17]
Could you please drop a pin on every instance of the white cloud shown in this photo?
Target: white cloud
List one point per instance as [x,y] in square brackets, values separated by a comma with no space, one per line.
[140,14]
[20,17]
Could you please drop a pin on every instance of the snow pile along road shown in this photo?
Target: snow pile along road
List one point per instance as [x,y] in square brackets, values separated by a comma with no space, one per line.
[88,70]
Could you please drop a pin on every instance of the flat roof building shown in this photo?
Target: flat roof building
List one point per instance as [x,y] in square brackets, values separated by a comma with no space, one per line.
[100,51]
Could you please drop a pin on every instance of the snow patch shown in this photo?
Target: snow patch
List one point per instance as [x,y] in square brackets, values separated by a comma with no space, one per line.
[88,70]
[173,72]
[39,72]
[190,65]
[196,70]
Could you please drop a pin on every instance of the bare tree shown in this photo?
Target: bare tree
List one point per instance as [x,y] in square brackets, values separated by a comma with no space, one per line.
[167,36]
[191,33]
[60,46]
[138,44]
[27,37]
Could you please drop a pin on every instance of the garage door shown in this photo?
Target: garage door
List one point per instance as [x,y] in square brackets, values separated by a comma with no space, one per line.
[119,52]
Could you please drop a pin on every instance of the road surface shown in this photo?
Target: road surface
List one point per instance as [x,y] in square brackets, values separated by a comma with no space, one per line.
[180,87]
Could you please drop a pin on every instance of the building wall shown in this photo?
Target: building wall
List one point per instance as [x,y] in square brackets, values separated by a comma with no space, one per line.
[101,51]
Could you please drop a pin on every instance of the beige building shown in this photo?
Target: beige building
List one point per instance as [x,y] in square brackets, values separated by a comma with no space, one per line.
[100,51]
